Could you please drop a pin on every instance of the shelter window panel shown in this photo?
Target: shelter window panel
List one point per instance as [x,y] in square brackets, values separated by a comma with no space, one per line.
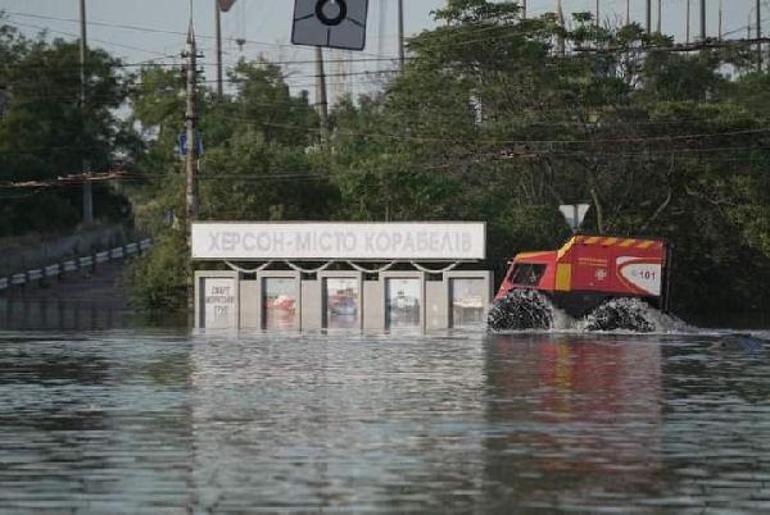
[219,307]
[402,302]
[342,302]
[280,303]
[468,298]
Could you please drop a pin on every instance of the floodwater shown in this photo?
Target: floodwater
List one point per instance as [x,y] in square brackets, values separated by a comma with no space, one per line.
[133,421]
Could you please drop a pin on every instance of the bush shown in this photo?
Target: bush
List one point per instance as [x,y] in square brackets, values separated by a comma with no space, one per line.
[159,280]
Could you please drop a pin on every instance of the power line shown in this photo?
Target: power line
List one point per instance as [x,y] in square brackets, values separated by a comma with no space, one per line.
[152,30]
[110,43]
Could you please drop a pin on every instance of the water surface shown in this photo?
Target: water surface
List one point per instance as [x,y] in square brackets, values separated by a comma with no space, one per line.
[131,421]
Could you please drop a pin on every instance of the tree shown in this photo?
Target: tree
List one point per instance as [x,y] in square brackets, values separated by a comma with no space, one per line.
[45,134]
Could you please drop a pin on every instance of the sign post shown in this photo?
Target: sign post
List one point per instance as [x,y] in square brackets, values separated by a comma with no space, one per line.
[330,23]
[574,214]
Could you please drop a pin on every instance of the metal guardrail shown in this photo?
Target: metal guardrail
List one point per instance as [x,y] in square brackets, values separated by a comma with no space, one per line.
[73,265]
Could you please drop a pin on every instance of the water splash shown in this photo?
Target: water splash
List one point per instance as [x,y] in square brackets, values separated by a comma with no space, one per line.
[523,310]
[629,314]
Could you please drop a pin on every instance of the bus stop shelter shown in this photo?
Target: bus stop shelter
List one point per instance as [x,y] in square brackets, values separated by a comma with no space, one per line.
[313,276]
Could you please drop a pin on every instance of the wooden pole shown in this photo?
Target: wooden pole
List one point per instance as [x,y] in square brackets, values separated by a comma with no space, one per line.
[649,16]
[88,195]
[218,29]
[719,20]
[191,163]
[748,27]
[321,101]
[597,13]
[191,120]
[628,12]
[759,35]
[401,34]
[562,43]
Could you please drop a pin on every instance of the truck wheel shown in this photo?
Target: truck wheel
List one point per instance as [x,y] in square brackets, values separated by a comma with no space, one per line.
[621,314]
[519,310]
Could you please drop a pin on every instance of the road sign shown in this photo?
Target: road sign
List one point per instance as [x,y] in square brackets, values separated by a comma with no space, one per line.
[183,143]
[330,23]
[225,5]
[574,214]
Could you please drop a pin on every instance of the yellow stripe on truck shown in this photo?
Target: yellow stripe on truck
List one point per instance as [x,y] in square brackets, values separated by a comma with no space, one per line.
[592,240]
[645,245]
[627,243]
[563,277]
[610,242]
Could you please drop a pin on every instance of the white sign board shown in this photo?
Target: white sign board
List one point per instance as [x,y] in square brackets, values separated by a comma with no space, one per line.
[330,23]
[320,241]
[219,307]
[574,214]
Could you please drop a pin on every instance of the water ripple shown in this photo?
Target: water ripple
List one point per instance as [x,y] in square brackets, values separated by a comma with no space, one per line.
[163,422]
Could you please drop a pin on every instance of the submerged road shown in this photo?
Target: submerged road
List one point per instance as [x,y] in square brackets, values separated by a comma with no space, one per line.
[166,422]
[79,300]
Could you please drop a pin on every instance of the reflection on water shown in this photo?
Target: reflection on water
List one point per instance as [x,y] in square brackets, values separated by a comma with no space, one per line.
[153,422]
[46,314]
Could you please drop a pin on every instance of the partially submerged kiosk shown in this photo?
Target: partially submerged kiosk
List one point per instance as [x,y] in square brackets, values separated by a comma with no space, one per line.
[355,276]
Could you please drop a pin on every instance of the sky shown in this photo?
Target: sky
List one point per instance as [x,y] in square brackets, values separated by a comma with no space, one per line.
[144,30]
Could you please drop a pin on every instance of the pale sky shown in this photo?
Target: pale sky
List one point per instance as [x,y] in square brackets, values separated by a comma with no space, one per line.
[154,29]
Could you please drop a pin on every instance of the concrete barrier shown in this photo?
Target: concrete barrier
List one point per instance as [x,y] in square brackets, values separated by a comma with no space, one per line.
[73,265]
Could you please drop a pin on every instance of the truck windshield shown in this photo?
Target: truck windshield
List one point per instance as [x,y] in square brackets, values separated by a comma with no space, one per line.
[527,274]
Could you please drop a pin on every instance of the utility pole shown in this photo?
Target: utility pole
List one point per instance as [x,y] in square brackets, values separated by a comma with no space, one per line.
[321,100]
[660,16]
[649,16]
[687,24]
[719,20]
[759,35]
[703,20]
[191,121]
[524,9]
[191,164]
[597,13]
[88,195]
[218,25]
[562,43]
[401,34]
[628,12]
[748,27]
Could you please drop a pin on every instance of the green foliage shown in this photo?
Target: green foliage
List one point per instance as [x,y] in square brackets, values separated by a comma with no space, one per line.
[259,164]
[495,118]
[503,125]
[45,134]
[159,281]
